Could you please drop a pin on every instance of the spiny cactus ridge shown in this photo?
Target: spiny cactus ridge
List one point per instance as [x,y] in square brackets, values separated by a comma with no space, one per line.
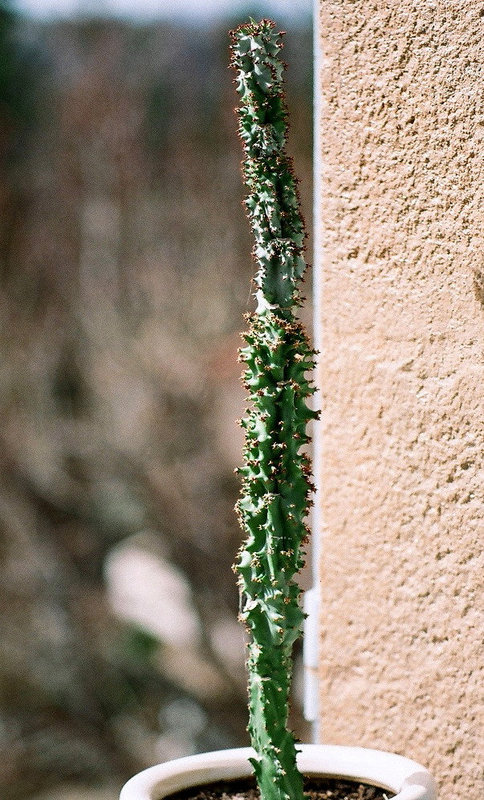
[276,487]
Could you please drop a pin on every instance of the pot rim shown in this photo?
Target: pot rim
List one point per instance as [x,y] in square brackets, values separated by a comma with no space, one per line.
[408,779]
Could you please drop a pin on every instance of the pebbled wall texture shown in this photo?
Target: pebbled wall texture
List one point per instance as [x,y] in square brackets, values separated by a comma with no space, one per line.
[400,160]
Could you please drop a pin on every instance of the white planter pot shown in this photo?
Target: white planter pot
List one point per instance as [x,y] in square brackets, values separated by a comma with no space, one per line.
[409,780]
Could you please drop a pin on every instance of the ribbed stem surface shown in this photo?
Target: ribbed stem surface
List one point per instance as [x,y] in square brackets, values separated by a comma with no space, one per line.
[275,488]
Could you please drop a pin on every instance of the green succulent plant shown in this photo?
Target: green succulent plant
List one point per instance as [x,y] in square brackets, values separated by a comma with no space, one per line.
[276,485]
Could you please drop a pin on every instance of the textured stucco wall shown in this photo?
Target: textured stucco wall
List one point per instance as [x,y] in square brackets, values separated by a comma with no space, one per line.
[402,330]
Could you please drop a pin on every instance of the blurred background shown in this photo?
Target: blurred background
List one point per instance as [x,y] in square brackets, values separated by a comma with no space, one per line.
[124,276]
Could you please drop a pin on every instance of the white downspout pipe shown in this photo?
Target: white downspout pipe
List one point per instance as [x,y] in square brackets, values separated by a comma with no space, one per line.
[312,601]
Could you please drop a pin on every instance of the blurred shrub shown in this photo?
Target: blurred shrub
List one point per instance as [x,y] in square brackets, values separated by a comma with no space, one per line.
[125,275]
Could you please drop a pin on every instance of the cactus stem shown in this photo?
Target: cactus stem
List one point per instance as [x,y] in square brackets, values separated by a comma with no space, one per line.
[276,475]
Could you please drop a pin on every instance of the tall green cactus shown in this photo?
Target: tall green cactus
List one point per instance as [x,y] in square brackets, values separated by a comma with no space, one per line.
[276,487]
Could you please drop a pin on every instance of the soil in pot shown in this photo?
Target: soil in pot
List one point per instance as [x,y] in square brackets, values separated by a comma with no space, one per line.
[314,789]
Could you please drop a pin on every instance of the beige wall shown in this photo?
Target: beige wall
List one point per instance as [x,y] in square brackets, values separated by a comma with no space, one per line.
[401,306]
